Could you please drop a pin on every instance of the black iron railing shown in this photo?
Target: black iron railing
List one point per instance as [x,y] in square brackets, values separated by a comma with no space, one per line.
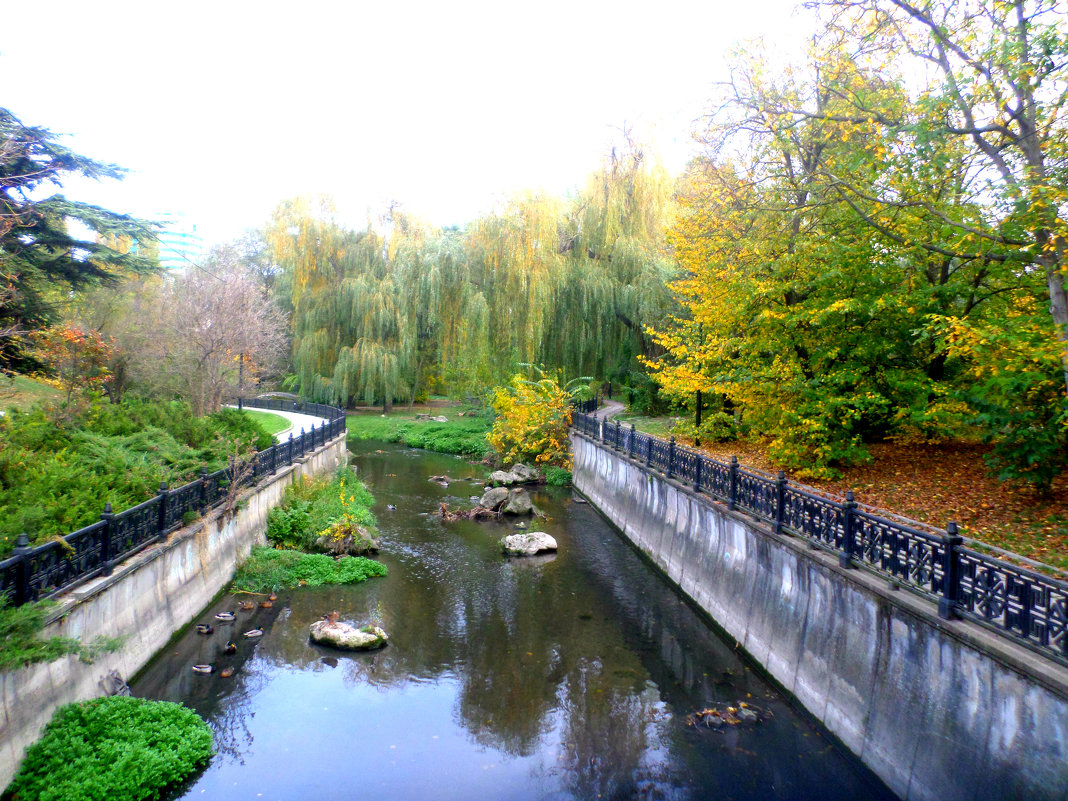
[1024,604]
[33,573]
[586,406]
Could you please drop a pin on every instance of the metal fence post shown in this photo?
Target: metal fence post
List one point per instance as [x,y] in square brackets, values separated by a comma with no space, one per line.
[302,441]
[780,501]
[617,434]
[671,457]
[105,540]
[732,489]
[630,444]
[164,496]
[274,458]
[22,570]
[845,558]
[698,459]
[289,452]
[947,604]
[648,450]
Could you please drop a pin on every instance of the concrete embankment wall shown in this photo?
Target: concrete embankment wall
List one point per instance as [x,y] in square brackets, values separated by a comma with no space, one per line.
[146,600]
[940,710]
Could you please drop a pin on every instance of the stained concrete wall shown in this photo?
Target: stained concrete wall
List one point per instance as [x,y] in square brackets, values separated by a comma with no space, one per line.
[939,710]
[146,600]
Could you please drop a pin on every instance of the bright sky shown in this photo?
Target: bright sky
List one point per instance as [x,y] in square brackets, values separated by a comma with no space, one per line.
[222,109]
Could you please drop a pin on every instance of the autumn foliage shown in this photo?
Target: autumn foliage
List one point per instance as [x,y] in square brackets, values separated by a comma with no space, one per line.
[77,360]
[532,421]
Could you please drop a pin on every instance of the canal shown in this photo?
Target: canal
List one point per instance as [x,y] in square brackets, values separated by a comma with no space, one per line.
[570,676]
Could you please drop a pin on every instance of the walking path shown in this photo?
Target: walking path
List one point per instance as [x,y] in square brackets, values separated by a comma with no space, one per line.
[297,422]
[608,409]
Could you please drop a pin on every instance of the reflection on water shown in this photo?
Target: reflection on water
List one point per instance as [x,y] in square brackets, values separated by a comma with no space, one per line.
[557,677]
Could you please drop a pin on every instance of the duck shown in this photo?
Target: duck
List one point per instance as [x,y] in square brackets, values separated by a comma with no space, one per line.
[230,647]
[202,669]
[266,604]
[226,672]
[204,628]
[253,633]
[391,507]
[226,616]
[272,597]
[246,605]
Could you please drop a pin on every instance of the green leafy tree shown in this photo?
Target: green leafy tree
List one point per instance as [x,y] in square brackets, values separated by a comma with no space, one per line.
[39,251]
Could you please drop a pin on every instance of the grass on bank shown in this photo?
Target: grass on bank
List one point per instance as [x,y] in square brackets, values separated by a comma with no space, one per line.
[22,392]
[269,423]
[463,436]
[930,482]
[117,748]
[270,568]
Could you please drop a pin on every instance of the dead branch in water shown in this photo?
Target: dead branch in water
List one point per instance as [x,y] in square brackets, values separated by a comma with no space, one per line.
[479,512]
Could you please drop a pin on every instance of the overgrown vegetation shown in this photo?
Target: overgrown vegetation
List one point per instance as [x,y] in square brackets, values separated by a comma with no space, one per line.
[557,476]
[118,748]
[311,508]
[273,569]
[464,436]
[55,475]
[21,642]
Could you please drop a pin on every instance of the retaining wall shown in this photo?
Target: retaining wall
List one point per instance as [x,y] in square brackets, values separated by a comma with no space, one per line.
[146,600]
[938,709]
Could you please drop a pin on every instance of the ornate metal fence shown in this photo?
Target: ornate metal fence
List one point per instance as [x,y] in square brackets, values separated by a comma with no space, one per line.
[32,573]
[1015,601]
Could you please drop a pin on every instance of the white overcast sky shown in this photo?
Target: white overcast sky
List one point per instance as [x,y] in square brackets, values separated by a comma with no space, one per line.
[220,110]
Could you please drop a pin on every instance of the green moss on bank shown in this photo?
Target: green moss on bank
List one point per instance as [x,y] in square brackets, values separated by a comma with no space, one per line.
[272,569]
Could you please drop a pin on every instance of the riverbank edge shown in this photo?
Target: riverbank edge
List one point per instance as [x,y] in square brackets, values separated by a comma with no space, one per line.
[937,709]
[146,600]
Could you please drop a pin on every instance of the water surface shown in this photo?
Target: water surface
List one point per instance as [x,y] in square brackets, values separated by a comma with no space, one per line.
[553,677]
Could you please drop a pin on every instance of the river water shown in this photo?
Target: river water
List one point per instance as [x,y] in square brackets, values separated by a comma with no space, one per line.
[553,677]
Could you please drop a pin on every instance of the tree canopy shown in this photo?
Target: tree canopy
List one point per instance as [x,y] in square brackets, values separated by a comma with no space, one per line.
[40,251]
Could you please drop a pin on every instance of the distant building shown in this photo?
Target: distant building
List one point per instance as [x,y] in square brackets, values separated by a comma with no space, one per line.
[180,246]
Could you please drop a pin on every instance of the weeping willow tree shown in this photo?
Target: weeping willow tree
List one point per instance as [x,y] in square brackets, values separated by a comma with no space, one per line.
[391,313]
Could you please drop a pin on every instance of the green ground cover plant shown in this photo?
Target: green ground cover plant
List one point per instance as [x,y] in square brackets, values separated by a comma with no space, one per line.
[270,568]
[113,749]
[557,476]
[311,507]
[55,475]
[464,436]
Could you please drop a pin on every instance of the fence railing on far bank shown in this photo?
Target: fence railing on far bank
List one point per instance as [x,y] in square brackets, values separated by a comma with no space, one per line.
[41,571]
[1023,604]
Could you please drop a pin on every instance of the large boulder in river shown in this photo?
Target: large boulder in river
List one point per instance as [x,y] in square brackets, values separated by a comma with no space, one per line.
[494,497]
[519,473]
[519,503]
[347,638]
[527,544]
[525,474]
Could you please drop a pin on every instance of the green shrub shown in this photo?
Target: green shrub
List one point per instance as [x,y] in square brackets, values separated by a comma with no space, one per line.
[118,749]
[557,476]
[55,477]
[310,507]
[273,569]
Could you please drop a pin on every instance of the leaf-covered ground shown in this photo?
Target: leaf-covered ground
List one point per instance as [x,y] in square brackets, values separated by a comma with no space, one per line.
[938,483]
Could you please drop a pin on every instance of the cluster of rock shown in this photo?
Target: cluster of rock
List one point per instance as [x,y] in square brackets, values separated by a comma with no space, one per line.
[440,418]
[515,501]
[519,473]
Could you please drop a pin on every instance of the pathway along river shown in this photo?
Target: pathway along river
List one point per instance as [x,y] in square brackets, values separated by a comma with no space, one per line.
[558,677]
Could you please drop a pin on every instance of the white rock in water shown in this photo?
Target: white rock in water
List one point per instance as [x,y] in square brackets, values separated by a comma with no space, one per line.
[347,638]
[527,544]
